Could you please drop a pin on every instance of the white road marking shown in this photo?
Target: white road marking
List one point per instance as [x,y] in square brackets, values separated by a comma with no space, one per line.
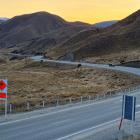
[91,128]
[67,109]
[52,113]
[88,129]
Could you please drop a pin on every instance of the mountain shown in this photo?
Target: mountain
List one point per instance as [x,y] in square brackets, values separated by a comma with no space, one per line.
[105,24]
[25,29]
[44,32]
[122,36]
[78,23]
[47,41]
[3,20]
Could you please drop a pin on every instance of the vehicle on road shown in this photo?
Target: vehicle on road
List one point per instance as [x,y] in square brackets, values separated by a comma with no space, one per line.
[111,65]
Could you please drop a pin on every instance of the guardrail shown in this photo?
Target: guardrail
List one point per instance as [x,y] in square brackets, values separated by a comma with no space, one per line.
[29,106]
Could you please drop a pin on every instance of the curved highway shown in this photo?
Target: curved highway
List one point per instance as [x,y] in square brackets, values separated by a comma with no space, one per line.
[131,70]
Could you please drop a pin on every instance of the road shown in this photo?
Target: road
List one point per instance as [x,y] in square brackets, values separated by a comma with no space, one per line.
[135,71]
[66,123]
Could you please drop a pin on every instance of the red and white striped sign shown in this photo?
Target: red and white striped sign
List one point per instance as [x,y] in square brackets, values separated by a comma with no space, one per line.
[3,89]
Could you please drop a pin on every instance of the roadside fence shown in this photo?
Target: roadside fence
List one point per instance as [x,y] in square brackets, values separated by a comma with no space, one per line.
[29,106]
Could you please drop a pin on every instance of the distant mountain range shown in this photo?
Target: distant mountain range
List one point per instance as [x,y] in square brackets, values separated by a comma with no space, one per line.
[105,24]
[3,20]
[44,32]
[28,29]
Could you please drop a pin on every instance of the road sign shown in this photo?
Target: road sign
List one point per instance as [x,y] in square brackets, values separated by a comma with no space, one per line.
[3,84]
[128,110]
[128,107]
[3,93]
[3,89]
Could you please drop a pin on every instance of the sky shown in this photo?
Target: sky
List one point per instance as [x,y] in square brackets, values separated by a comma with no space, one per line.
[90,11]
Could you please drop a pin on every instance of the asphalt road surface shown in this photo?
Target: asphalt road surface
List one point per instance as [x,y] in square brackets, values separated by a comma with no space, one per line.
[135,71]
[64,124]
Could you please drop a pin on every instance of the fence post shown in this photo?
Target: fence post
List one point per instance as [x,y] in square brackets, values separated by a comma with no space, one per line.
[110,94]
[70,100]
[28,106]
[57,102]
[104,95]
[89,97]
[43,104]
[97,97]
[10,108]
[81,99]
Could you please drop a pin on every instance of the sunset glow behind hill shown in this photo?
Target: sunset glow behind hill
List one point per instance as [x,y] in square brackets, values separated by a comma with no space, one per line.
[90,11]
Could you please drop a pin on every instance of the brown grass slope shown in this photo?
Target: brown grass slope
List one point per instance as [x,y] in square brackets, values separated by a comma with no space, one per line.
[48,41]
[35,82]
[123,36]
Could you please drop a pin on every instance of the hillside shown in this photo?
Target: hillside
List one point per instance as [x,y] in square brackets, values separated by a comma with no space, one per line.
[122,36]
[25,27]
[36,32]
[47,41]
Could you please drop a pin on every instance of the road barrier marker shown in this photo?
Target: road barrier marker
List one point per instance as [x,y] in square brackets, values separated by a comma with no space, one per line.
[3,93]
[128,110]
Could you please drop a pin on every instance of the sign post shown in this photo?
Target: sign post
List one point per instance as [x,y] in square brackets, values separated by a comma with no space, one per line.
[3,93]
[128,110]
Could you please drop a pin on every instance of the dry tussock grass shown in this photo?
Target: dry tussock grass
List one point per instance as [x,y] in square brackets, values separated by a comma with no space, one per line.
[32,81]
[116,58]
